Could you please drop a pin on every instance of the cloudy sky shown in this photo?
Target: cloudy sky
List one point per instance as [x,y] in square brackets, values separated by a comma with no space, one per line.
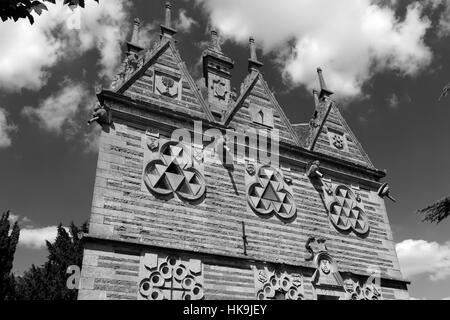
[387,61]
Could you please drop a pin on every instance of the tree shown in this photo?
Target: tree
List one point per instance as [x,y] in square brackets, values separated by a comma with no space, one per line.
[48,282]
[439,211]
[8,243]
[13,9]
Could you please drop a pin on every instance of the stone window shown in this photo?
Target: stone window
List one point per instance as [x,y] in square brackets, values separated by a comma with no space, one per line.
[261,115]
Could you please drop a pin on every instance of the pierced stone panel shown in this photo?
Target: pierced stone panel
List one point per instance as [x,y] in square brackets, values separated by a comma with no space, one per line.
[271,285]
[337,139]
[268,194]
[173,173]
[345,210]
[170,278]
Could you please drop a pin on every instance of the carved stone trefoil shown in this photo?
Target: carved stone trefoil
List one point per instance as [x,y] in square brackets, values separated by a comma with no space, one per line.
[173,173]
[345,210]
[269,194]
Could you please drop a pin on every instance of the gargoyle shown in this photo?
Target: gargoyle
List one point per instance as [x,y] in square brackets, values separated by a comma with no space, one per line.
[99,115]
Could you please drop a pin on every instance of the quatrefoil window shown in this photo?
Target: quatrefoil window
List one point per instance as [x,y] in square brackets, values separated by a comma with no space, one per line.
[173,173]
[345,212]
[268,195]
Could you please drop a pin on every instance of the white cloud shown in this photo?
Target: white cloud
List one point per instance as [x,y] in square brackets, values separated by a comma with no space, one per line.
[6,128]
[35,238]
[19,219]
[184,23]
[421,257]
[91,139]
[351,40]
[59,109]
[28,52]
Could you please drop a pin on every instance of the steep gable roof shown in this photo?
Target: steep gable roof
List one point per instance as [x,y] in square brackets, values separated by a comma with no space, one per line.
[333,136]
[255,91]
[165,60]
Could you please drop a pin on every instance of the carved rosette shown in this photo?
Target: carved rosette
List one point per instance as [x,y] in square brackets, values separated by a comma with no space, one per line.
[272,285]
[268,193]
[174,173]
[345,209]
[337,140]
[170,278]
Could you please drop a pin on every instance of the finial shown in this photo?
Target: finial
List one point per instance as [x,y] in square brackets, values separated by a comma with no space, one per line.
[215,41]
[253,56]
[253,63]
[133,44]
[166,28]
[168,19]
[323,87]
[136,27]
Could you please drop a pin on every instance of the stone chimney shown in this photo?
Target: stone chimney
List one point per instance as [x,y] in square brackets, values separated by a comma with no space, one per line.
[133,45]
[166,29]
[217,73]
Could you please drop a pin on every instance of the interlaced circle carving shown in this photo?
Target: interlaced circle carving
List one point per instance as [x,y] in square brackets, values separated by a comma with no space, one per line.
[345,213]
[171,280]
[282,286]
[173,173]
[367,292]
[268,195]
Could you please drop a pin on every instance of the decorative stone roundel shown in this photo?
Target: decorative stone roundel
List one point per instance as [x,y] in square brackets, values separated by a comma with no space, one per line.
[171,280]
[268,195]
[345,213]
[354,291]
[282,286]
[173,174]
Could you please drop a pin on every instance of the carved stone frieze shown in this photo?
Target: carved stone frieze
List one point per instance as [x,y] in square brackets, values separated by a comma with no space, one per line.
[170,278]
[278,285]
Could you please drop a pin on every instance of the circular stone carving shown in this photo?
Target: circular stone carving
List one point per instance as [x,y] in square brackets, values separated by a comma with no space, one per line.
[173,173]
[281,285]
[345,213]
[268,195]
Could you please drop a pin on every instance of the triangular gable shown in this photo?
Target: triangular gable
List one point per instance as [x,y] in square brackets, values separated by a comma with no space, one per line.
[257,107]
[163,79]
[334,137]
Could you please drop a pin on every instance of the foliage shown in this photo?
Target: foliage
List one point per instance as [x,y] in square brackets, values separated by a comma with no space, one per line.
[13,9]
[437,212]
[8,243]
[48,282]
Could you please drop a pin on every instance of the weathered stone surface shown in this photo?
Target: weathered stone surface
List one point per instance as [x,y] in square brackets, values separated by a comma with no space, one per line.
[132,221]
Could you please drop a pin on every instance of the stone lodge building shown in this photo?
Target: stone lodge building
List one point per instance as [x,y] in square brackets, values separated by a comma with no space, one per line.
[175,220]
